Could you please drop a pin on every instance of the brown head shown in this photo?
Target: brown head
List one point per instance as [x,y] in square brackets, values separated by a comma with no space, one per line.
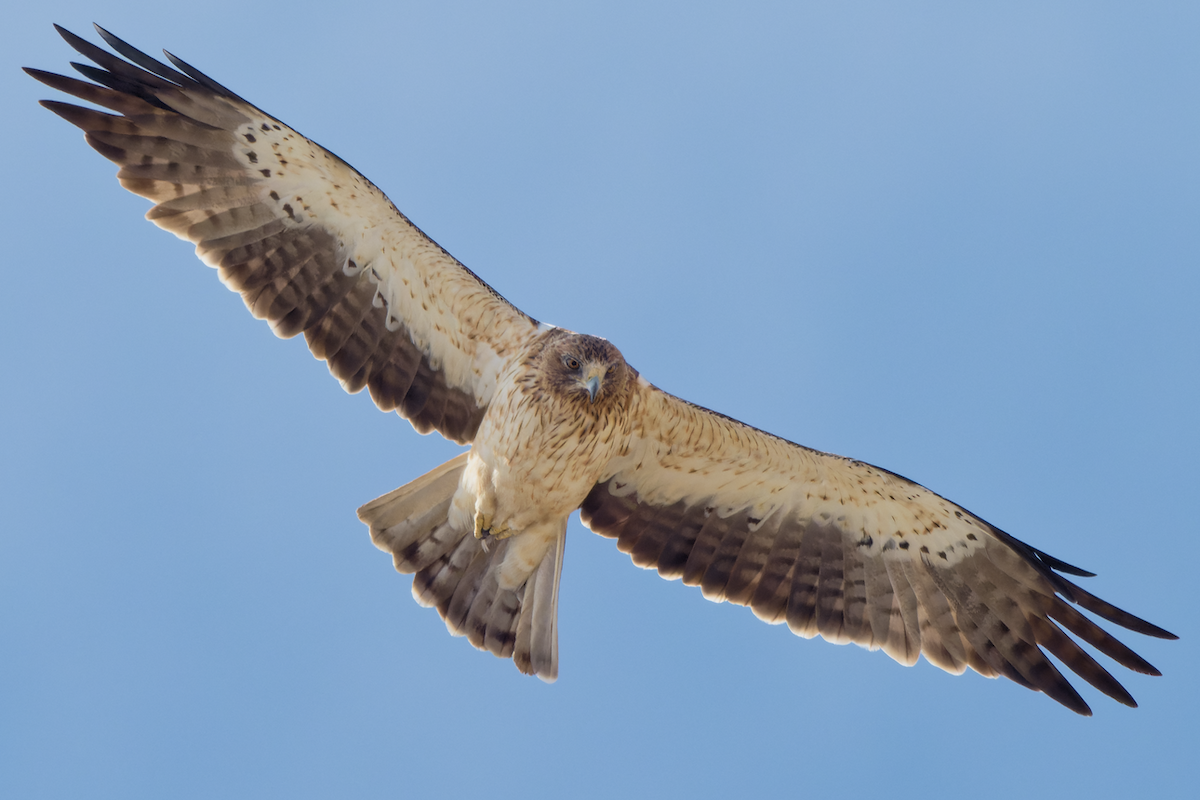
[585,369]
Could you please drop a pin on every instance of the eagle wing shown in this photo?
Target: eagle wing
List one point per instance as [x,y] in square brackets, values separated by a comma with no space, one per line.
[849,551]
[310,244]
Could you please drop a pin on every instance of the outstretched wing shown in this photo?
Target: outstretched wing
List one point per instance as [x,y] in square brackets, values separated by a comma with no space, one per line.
[846,550]
[311,245]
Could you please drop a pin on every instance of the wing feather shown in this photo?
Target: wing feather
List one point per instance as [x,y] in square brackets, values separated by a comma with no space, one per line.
[806,577]
[680,537]
[646,547]
[311,245]
[704,550]
[754,554]
[728,537]
[940,636]
[855,627]
[893,630]
[848,551]
[770,598]
[908,648]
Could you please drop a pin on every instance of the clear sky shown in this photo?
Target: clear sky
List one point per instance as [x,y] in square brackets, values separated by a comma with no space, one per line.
[957,240]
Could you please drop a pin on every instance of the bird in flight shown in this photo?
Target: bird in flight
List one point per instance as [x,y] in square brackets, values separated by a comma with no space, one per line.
[559,421]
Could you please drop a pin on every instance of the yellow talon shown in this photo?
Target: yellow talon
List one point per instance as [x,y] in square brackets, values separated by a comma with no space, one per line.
[485,529]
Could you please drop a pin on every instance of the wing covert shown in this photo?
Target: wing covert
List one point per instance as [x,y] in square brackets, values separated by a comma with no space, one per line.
[310,244]
[841,549]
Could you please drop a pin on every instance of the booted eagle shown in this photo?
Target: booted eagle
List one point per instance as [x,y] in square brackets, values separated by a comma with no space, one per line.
[558,421]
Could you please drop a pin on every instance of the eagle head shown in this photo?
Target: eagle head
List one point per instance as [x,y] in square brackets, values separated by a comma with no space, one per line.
[588,368]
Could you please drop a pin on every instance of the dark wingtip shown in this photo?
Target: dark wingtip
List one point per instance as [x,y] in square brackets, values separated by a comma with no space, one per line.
[1062,566]
[113,41]
[39,75]
[1149,628]
[1122,696]
[1158,633]
[146,62]
[71,38]
[71,113]
[1108,611]
[198,76]
[1082,708]
[1069,696]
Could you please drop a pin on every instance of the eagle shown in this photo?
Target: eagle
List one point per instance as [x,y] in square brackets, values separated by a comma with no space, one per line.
[558,421]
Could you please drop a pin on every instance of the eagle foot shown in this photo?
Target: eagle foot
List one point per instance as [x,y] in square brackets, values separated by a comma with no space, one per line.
[485,530]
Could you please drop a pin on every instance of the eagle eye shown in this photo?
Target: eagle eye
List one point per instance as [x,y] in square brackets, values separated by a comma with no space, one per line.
[571,362]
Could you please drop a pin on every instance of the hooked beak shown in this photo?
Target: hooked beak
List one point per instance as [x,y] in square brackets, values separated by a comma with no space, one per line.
[593,386]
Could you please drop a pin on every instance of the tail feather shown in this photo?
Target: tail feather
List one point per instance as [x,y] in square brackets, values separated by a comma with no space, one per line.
[497,623]
[434,585]
[461,579]
[414,499]
[536,648]
[461,585]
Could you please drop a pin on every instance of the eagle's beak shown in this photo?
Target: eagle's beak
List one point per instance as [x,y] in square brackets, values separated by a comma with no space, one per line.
[593,386]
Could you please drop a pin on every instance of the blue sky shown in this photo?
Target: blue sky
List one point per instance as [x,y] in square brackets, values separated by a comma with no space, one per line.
[959,241]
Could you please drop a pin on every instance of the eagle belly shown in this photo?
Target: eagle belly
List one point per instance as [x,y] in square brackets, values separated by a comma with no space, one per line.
[534,459]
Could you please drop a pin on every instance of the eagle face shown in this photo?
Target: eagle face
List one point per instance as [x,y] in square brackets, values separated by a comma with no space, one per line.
[586,370]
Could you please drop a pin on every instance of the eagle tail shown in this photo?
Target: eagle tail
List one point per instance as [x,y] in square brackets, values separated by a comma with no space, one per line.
[455,574]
